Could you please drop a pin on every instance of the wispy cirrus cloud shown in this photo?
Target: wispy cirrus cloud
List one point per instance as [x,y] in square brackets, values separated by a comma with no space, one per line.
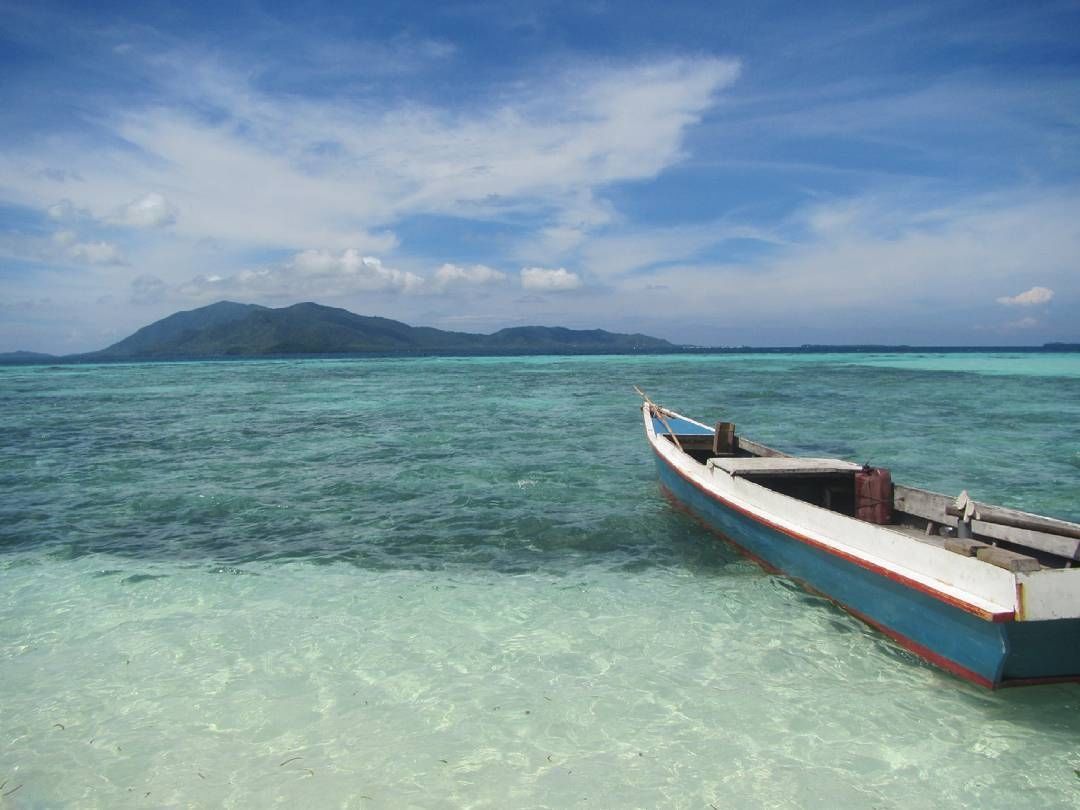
[332,175]
[609,255]
[1027,322]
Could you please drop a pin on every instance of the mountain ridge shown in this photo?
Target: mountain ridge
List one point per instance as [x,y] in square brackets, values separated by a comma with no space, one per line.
[230,329]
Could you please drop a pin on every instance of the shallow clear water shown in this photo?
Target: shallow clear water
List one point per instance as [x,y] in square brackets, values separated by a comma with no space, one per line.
[455,583]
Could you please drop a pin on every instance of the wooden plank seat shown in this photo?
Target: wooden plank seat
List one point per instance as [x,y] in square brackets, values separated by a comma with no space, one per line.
[783,465]
[933,506]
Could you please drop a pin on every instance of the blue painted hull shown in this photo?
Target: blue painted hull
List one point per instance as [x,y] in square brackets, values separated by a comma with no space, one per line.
[986,652]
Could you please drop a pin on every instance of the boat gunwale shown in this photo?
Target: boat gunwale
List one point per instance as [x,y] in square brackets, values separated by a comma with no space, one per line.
[878,568]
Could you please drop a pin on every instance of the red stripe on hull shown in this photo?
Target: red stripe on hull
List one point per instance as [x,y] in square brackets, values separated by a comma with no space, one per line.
[925,652]
[913,646]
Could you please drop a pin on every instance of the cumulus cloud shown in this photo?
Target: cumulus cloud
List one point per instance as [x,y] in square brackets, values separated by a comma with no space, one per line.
[1028,298]
[539,278]
[355,271]
[453,275]
[307,275]
[151,210]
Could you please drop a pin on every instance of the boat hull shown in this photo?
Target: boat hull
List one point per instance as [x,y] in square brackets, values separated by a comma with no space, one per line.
[986,652]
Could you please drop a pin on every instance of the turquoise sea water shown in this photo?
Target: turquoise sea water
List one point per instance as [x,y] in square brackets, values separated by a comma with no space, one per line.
[455,583]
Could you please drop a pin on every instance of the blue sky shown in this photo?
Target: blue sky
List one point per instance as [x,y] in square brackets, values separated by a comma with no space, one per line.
[765,173]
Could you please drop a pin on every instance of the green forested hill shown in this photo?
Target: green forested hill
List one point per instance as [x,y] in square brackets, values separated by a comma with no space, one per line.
[248,330]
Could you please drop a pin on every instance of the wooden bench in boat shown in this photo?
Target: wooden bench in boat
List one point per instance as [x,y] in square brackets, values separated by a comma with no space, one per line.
[784,466]
[970,547]
[1046,535]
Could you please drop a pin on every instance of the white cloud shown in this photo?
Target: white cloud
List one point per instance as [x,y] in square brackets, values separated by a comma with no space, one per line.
[351,271]
[337,174]
[553,145]
[539,278]
[611,254]
[66,245]
[104,253]
[1028,298]
[829,219]
[451,275]
[310,274]
[920,258]
[151,210]
[580,214]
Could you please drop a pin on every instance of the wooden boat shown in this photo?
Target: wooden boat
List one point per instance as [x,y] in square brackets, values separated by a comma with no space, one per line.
[988,593]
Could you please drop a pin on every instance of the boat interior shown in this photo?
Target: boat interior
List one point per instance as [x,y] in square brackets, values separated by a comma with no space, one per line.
[1009,538]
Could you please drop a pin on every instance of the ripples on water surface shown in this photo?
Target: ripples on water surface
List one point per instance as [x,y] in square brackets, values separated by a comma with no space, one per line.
[454,583]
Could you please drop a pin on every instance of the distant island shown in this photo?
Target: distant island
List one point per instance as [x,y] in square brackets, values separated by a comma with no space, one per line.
[231,330]
[25,357]
[228,329]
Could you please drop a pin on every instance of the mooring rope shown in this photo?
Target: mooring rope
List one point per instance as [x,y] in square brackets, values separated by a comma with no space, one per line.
[658,412]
